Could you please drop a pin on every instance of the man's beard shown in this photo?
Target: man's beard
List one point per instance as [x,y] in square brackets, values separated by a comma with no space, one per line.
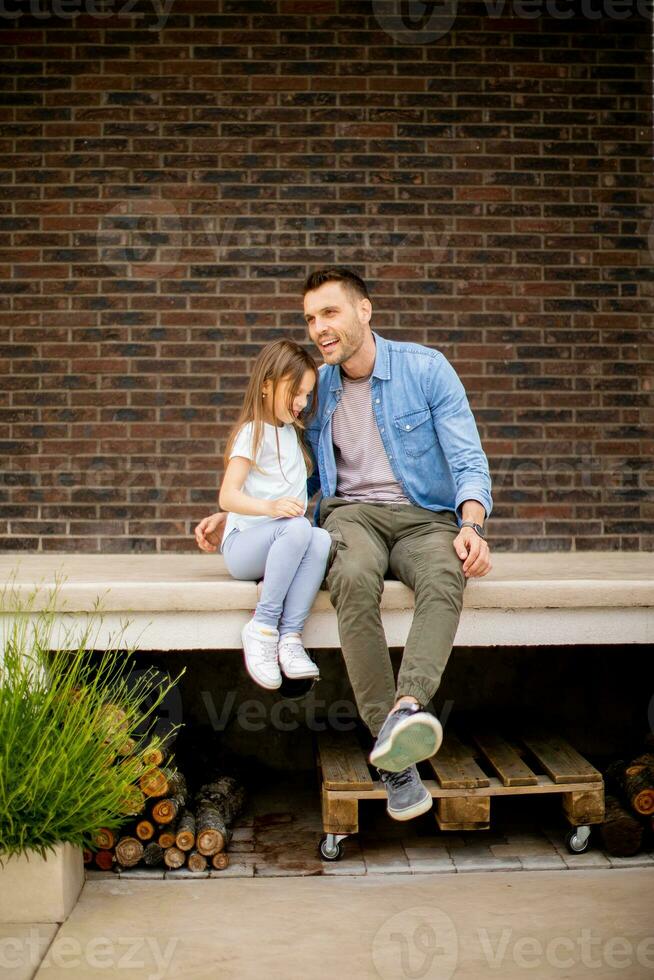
[348,347]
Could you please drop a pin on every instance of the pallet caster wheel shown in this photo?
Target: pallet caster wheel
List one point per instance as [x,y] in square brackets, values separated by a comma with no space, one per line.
[331,847]
[577,840]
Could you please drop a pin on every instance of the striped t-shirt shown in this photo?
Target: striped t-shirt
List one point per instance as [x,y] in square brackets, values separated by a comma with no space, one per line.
[363,471]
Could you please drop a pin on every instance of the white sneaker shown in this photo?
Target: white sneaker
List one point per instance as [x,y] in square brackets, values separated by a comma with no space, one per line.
[260,651]
[294,659]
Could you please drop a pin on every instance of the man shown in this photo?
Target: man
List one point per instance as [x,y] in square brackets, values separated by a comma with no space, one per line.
[405,487]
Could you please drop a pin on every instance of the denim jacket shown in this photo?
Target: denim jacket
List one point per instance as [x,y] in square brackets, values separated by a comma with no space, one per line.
[424,421]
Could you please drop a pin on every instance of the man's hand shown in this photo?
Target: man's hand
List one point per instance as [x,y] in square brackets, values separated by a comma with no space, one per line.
[209,532]
[475,551]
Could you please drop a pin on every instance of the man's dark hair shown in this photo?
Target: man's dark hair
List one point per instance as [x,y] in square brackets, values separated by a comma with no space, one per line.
[353,283]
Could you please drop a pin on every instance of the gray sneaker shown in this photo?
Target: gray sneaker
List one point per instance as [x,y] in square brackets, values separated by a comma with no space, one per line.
[407,796]
[408,735]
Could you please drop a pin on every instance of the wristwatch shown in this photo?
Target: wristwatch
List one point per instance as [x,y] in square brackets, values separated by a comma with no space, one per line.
[478,528]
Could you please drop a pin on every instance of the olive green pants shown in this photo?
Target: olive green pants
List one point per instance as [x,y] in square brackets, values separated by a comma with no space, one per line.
[414,545]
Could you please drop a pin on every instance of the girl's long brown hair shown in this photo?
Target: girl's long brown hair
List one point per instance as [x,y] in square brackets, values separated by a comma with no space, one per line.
[277,360]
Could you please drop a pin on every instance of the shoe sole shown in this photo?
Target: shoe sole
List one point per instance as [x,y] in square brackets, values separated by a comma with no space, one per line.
[268,687]
[301,677]
[413,811]
[412,740]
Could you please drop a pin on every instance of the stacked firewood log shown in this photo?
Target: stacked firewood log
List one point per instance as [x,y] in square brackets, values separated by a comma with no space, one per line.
[629,802]
[169,827]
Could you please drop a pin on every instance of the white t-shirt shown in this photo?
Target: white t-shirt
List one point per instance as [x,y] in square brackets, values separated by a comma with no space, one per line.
[289,481]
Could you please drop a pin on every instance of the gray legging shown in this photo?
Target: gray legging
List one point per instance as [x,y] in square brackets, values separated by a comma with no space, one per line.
[290,554]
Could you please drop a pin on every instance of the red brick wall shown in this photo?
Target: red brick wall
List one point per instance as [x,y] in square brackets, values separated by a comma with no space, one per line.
[167,190]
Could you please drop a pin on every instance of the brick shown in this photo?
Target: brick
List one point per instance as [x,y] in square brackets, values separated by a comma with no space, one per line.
[235,869]
[642,860]
[521,849]
[271,118]
[543,862]
[590,859]
[345,866]
[468,863]
[433,865]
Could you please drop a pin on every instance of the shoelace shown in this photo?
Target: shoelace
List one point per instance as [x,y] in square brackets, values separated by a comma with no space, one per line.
[397,778]
[269,652]
[268,648]
[294,648]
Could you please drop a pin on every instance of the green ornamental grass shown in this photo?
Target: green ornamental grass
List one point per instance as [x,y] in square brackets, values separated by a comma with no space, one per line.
[65,718]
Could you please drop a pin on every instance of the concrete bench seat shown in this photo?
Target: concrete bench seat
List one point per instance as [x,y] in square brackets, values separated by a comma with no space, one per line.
[190,602]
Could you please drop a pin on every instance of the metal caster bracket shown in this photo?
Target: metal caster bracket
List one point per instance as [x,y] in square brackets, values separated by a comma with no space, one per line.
[331,847]
[578,839]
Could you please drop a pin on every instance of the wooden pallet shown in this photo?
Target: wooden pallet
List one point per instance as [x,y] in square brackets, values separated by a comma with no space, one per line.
[468,772]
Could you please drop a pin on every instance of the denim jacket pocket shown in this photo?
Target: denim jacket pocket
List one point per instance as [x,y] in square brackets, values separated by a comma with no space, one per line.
[416,431]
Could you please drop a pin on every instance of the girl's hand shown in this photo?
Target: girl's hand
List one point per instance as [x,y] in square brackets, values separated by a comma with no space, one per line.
[209,532]
[286,507]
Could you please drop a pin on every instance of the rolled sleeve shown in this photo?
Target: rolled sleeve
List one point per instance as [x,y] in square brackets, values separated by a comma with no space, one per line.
[472,493]
[457,433]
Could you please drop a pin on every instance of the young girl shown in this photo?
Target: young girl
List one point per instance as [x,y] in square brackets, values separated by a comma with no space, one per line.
[266,534]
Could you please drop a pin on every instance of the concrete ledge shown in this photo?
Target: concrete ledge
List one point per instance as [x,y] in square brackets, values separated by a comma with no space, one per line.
[186,602]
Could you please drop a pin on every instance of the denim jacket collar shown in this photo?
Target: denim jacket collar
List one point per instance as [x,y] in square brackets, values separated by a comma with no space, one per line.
[425,423]
[381,370]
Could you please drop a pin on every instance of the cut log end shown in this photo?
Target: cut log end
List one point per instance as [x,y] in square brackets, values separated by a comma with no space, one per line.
[196,861]
[210,842]
[129,851]
[154,782]
[104,860]
[637,790]
[185,837]
[174,858]
[104,838]
[212,831]
[153,756]
[166,838]
[145,830]
[167,809]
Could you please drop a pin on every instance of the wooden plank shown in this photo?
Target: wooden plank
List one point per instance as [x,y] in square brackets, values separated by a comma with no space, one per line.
[584,808]
[343,763]
[455,766]
[562,763]
[339,816]
[504,760]
[463,813]
[495,788]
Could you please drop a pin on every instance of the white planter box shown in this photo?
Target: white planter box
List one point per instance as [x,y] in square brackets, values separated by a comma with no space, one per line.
[34,889]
